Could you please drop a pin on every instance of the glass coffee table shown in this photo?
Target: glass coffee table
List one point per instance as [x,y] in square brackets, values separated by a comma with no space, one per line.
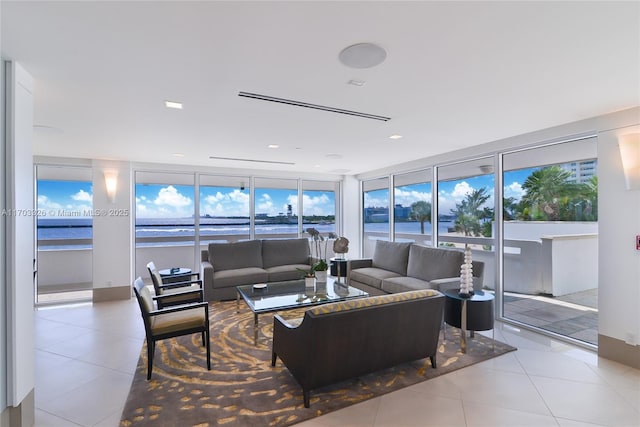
[278,296]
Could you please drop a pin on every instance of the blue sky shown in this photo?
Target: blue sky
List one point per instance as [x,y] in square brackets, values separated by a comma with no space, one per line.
[67,196]
[452,192]
[177,201]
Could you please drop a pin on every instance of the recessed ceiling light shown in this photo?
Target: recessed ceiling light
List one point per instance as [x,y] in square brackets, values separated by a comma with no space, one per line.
[178,155]
[395,136]
[173,104]
[273,146]
[333,156]
[357,82]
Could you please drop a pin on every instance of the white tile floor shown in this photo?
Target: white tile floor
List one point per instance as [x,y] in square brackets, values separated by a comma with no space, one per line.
[86,356]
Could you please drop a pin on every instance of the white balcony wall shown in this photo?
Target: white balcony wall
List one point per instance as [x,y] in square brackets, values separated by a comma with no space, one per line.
[570,264]
[534,230]
[66,267]
[164,257]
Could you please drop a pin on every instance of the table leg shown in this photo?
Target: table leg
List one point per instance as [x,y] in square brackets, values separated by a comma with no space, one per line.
[255,328]
[463,327]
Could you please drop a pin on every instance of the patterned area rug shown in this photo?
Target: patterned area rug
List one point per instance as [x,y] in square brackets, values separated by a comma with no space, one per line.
[243,389]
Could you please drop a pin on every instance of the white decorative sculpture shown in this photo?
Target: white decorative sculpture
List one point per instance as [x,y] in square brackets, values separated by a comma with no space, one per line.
[466,274]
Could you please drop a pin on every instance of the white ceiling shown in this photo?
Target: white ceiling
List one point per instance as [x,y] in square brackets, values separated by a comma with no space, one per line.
[457,74]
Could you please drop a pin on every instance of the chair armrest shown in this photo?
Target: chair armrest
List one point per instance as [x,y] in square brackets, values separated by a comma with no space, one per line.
[181,307]
[284,322]
[180,284]
[359,263]
[177,294]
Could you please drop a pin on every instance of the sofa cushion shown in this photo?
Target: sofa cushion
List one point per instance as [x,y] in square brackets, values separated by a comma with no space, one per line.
[433,263]
[229,256]
[371,301]
[404,284]
[240,276]
[371,276]
[391,256]
[282,273]
[284,252]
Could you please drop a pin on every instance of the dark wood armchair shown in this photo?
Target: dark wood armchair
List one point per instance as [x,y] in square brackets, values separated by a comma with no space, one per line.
[172,321]
[176,292]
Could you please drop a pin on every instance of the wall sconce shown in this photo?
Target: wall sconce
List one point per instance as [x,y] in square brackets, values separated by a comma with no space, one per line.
[111,183]
[629,145]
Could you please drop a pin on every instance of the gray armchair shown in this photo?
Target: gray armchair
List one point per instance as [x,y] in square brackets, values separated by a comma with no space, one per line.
[172,321]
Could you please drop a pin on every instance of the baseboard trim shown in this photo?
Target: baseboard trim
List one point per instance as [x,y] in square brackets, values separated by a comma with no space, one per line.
[619,351]
[23,415]
[111,294]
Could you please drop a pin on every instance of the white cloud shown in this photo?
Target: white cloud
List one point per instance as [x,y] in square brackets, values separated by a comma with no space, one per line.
[169,196]
[82,196]
[461,190]
[234,203]
[265,205]
[45,203]
[407,198]
[514,190]
[317,205]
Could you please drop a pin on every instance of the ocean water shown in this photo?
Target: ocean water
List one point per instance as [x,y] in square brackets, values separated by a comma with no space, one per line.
[81,228]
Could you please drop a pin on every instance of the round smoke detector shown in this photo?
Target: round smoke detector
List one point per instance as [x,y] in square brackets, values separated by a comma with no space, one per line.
[362,55]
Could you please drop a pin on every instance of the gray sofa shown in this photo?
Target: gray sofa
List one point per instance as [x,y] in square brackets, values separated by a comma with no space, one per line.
[404,266]
[342,340]
[224,266]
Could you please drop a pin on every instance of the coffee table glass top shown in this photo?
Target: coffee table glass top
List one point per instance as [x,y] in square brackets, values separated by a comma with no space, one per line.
[292,294]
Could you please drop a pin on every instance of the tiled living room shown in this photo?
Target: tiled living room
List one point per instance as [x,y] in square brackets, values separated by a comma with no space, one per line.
[86,357]
[187,123]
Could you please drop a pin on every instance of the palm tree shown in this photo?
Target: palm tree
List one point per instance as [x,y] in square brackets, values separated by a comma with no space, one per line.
[471,215]
[509,208]
[421,211]
[546,190]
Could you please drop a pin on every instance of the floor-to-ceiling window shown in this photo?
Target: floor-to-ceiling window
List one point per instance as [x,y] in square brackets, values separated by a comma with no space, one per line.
[225,214]
[550,208]
[412,207]
[466,203]
[375,213]
[64,220]
[276,208]
[319,206]
[165,220]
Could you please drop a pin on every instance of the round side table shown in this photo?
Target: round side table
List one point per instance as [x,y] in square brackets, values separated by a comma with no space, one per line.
[338,268]
[473,313]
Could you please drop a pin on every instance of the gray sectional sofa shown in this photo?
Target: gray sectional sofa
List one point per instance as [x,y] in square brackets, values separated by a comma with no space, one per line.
[227,265]
[404,266]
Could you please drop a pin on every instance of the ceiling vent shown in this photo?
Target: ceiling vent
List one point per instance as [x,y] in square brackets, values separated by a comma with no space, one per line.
[313,106]
[235,159]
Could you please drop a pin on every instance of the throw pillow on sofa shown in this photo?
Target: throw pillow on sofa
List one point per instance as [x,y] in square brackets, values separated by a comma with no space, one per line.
[231,256]
[391,256]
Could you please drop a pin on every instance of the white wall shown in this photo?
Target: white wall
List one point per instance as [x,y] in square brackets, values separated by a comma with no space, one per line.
[3,243]
[112,225]
[351,215]
[619,261]
[19,238]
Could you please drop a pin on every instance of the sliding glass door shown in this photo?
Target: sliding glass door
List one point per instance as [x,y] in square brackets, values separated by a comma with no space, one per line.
[550,227]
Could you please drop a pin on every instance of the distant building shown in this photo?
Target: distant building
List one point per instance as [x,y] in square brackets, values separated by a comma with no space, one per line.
[401,213]
[581,171]
[381,214]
